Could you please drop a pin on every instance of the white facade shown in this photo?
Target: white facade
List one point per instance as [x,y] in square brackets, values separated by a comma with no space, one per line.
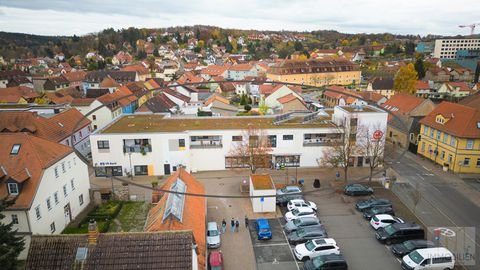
[263,204]
[447,48]
[238,75]
[272,100]
[101,117]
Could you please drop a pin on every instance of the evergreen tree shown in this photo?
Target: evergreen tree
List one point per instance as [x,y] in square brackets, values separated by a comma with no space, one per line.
[298,46]
[420,67]
[11,244]
[155,53]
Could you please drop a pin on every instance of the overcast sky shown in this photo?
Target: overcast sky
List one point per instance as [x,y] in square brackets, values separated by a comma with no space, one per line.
[68,17]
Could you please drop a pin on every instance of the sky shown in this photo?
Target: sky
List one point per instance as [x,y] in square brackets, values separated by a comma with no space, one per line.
[69,17]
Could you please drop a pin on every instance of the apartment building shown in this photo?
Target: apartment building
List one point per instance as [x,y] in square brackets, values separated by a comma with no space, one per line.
[456,48]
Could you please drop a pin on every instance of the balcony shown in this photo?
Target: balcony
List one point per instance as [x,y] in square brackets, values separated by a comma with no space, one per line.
[137,149]
[205,144]
[321,142]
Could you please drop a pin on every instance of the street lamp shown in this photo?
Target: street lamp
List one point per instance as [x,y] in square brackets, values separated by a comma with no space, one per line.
[131,170]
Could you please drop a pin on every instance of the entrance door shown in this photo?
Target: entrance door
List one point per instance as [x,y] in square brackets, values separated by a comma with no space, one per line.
[68,213]
[166,169]
[360,162]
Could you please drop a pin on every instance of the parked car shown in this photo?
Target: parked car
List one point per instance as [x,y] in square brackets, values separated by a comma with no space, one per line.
[315,248]
[302,222]
[263,229]
[292,204]
[383,220]
[284,199]
[213,235]
[304,234]
[288,190]
[215,260]
[399,232]
[363,205]
[429,258]
[368,214]
[300,212]
[406,247]
[326,262]
[357,190]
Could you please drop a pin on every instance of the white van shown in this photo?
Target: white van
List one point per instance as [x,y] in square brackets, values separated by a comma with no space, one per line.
[429,258]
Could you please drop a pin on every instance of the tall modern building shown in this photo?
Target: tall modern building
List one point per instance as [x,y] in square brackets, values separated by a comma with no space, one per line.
[457,48]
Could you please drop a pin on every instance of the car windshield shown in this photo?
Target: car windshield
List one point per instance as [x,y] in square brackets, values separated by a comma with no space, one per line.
[409,245]
[390,230]
[317,262]
[375,219]
[416,257]
[295,212]
[212,233]
[300,232]
[310,245]
[297,221]
[263,230]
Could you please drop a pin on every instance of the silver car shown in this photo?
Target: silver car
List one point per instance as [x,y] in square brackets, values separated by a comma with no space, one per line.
[213,235]
[302,222]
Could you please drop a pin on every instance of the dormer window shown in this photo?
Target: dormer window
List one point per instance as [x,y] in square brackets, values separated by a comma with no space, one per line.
[15,149]
[13,188]
[440,119]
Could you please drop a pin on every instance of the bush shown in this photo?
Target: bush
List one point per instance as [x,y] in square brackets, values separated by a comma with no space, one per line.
[106,210]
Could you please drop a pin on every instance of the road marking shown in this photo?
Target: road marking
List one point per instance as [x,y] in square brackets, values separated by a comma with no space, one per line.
[213,207]
[426,168]
[420,176]
[400,261]
[271,245]
[291,251]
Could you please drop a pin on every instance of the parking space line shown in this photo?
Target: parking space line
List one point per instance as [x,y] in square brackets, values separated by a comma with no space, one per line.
[291,251]
[271,245]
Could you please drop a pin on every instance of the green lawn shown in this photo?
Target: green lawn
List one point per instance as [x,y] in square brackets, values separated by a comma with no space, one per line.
[131,218]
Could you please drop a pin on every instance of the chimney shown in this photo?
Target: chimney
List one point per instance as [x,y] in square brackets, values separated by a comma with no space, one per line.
[92,232]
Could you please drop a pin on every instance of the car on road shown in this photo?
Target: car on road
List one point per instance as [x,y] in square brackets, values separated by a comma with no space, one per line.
[304,234]
[315,248]
[363,205]
[399,232]
[292,204]
[213,235]
[326,262]
[283,200]
[300,212]
[302,222]
[288,190]
[383,220]
[357,190]
[215,260]
[263,229]
[406,247]
[429,259]
[368,214]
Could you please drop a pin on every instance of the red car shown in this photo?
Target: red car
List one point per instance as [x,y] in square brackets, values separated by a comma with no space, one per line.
[215,260]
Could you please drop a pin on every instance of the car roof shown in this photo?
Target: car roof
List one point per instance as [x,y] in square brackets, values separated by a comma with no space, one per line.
[262,221]
[304,209]
[421,242]
[297,200]
[406,226]
[309,218]
[215,258]
[429,252]
[324,241]
[384,216]
[212,225]
[332,257]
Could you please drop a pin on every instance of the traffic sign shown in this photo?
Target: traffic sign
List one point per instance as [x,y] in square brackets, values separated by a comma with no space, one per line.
[377,135]
[262,199]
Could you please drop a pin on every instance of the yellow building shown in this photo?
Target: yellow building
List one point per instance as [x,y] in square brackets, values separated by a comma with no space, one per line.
[450,136]
[316,72]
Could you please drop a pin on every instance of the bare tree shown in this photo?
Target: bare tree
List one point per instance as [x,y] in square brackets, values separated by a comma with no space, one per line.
[371,143]
[254,149]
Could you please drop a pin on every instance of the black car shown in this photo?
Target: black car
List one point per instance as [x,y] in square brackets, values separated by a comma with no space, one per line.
[284,199]
[363,205]
[406,247]
[357,190]
[304,234]
[326,262]
[377,210]
[399,232]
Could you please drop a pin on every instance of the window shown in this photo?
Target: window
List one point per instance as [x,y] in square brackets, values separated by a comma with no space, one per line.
[72,184]
[237,138]
[423,146]
[37,212]
[15,149]
[103,144]
[94,117]
[141,170]
[429,148]
[74,161]
[65,190]
[412,136]
[69,164]
[181,142]
[450,158]
[49,204]
[80,134]
[466,162]
[288,137]
[52,227]
[442,155]
[55,197]
[14,219]
[470,143]
[445,137]
[55,170]
[13,188]
[80,199]
[272,141]
[425,130]
[431,132]
[94,127]
[452,141]
[438,134]
[63,167]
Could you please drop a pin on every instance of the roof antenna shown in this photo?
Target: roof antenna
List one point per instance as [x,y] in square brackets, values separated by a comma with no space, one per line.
[3,170]
[28,172]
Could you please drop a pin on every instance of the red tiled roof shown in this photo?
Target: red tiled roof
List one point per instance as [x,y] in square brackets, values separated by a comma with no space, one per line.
[75,76]
[214,97]
[13,94]
[176,94]
[462,121]
[35,155]
[287,98]
[404,103]
[189,77]
[140,69]
[241,67]
[58,98]
[462,86]
[214,70]
[471,101]
[422,85]
[82,101]
[108,82]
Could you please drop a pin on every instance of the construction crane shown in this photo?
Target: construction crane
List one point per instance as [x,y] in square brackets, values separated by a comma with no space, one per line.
[471,26]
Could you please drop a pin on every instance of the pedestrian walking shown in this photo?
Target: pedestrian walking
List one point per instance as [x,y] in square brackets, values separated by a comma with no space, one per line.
[246,221]
[232,223]
[237,224]
[224,225]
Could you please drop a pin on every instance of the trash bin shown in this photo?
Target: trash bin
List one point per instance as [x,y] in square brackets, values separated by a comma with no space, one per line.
[316,183]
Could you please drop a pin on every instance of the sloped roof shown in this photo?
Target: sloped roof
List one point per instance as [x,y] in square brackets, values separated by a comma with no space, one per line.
[18,91]
[108,82]
[82,101]
[267,89]
[139,68]
[194,212]
[402,103]
[75,76]
[159,250]
[241,67]
[214,97]
[370,96]
[287,98]
[421,85]
[58,80]
[382,83]
[462,86]
[58,98]
[214,70]
[95,93]
[176,94]
[217,104]
[35,155]
[159,103]
[462,121]
[472,101]
[189,77]
[9,74]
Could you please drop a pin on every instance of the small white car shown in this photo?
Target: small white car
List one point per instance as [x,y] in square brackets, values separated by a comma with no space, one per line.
[292,204]
[213,235]
[300,212]
[383,220]
[316,247]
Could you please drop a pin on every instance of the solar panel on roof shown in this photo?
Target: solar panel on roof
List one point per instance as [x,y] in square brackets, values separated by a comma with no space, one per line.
[175,201]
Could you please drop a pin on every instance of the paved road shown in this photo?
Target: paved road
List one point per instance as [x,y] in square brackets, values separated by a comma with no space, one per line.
[442,201]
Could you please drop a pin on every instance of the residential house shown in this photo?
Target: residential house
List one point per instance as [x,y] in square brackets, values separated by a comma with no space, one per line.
[470,101]
[454,90]
[273,101]
[371,98]
[403,121]
[121,58]
[142,72]
[437,74]
[18,95]
[49,182]
[94,78]
[240,71]
[179,212]
[423,89]
[340,96]
[290,103]
[108,83]
[241,88]
[57,98]
[227,89]
[75,79]
[451,137]
[382,86]
[7,75]
[55,83]
[101,117]
[140,90]
[160,250]
[20,81]
[462,75]
[219,106]
[160,103]
[359,56]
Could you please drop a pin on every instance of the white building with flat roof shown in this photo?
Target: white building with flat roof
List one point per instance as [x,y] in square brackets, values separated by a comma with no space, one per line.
[448,48]
[156,144]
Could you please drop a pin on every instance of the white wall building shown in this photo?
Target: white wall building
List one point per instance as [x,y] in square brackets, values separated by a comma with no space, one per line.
[153,144]
[262,185]
[448,48]
[100,118]
[272,100]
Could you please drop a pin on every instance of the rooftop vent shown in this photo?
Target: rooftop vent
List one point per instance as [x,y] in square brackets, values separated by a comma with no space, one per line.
[81,255]
[60,124]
